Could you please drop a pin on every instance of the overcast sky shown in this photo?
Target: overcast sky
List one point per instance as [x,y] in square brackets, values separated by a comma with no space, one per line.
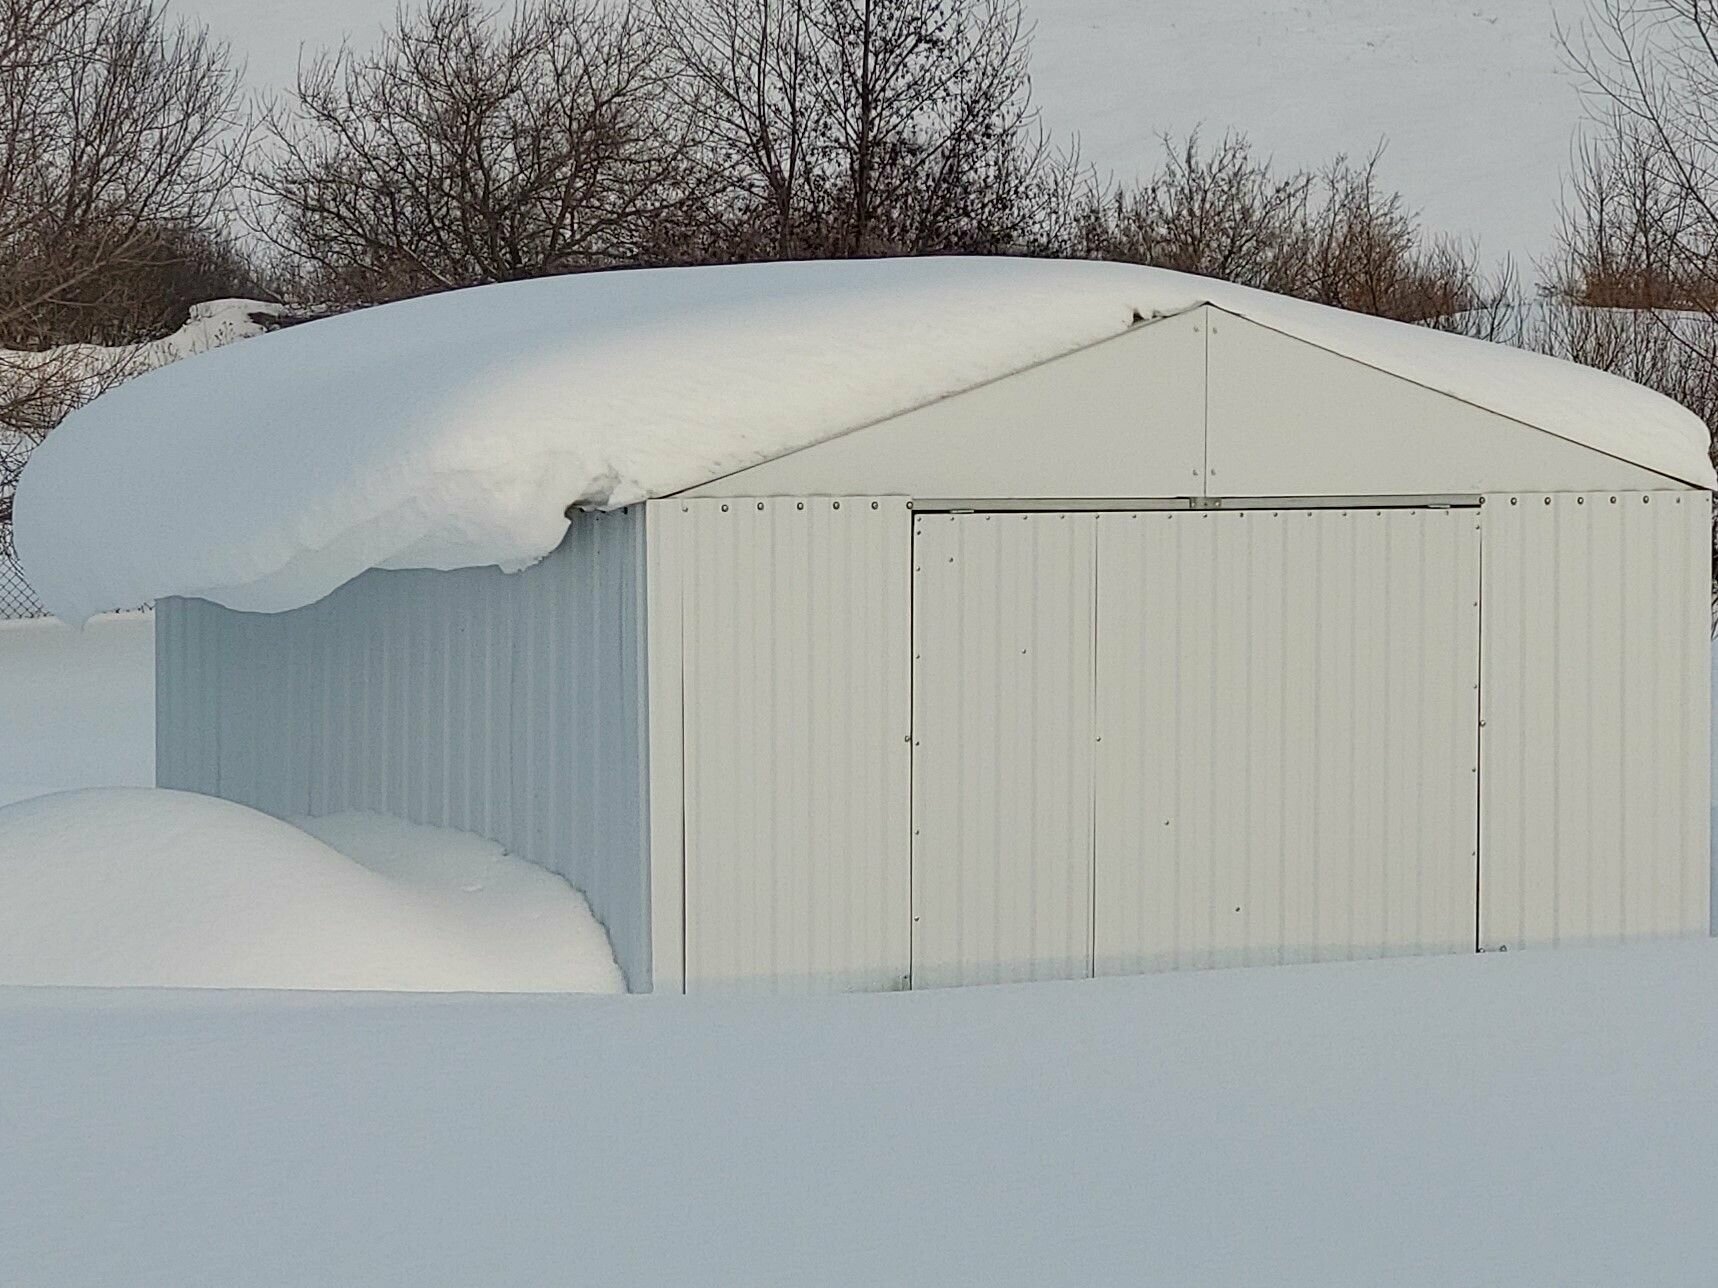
[1470,95]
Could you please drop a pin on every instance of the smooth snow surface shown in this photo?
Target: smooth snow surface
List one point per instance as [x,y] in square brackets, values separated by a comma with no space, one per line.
[123,887]
[77,708]
[455,430]
[1537,1120]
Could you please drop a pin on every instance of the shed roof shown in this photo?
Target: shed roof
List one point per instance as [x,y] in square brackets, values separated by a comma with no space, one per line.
[455,430]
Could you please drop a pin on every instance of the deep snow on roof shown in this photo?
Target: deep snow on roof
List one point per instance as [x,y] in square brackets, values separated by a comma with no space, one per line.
[455,430]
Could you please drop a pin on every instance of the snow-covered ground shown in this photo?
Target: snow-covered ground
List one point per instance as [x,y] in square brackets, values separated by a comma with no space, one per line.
[116,887]
[1529,1119]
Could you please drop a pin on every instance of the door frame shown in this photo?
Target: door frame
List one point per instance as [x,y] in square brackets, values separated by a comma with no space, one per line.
[1120,505]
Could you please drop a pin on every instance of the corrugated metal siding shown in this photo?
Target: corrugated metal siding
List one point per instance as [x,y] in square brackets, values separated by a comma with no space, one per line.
[1287,724]
[506,705]
[1002,756]
[667,550]
[1596,699]
[796,708]
[187,752]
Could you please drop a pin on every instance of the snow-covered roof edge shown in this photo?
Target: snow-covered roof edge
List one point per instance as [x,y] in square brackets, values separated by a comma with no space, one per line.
[455,430]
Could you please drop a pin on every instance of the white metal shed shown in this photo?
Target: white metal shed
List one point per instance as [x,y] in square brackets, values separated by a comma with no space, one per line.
[1242,633]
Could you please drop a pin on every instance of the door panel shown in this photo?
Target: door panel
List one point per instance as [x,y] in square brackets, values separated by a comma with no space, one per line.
[1288,734]
[796,707]
[1002,756]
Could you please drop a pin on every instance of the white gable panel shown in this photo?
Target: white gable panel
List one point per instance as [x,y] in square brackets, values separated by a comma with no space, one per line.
[1288,418]
[1125,417]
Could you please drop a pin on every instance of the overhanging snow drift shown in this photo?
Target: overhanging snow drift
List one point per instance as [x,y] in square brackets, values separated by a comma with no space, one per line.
[454,431]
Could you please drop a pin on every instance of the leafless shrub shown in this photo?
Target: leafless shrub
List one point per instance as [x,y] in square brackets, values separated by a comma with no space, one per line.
[1335,235]
[1641,229]
[1635,277]
[470,149]
[863,127]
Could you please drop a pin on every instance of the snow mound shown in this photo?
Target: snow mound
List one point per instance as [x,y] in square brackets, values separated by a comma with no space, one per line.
[207,326]
[455,430]
[118,887]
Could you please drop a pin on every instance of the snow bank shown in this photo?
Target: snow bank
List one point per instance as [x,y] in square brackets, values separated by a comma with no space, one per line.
[1529,1119]
[207,326]
[77,708]
[124,887]
[525,922]
[455,430]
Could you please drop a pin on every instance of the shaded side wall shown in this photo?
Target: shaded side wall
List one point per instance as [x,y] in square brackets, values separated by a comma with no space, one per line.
[509,705]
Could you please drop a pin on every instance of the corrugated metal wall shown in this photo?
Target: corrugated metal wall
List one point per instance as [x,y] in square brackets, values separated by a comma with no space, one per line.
[1288,728]
[796,710]
[1595,697]
[507,705]
[1002,755]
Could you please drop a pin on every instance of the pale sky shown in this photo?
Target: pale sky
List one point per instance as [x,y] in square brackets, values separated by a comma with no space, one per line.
[1470,95]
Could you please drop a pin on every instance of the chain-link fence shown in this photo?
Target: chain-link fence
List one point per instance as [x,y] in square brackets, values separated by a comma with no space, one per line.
[16,598]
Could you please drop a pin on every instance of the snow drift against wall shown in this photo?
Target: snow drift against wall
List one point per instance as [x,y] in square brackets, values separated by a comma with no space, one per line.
[123,887]
[455,430]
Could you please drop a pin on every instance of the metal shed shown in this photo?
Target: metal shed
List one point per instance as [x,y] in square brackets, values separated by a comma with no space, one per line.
[1201,645]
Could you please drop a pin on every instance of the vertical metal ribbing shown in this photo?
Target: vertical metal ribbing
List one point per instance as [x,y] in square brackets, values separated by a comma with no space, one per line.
[797,705]
[1256,782]
[1594,638]
[1004,732]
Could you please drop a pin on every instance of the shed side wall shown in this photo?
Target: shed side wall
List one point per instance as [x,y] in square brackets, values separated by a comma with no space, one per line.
[506,705]
[1595,695]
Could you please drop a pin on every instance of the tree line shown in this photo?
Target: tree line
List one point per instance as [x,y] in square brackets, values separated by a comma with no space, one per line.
[478,145]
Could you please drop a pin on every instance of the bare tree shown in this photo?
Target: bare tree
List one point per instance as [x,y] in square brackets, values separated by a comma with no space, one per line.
[116,145]
[470,149]
[117,141]
[1642,226]
[1634,283]
[1334,235]
[863,127]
